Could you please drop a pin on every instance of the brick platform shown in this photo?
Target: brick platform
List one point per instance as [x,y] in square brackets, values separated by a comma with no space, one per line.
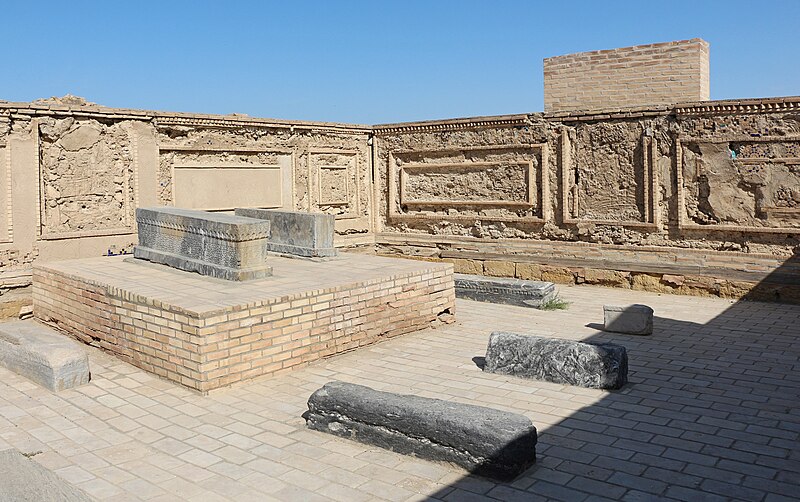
[207,333]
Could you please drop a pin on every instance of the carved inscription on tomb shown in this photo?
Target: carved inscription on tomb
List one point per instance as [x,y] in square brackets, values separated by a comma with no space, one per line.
[742,183]
[87,177]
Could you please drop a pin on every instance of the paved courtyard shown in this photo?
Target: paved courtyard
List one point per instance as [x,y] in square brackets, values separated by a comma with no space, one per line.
[712,412]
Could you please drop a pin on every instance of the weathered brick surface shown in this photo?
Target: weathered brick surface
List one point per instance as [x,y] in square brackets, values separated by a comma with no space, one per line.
[255,332]
[655,74]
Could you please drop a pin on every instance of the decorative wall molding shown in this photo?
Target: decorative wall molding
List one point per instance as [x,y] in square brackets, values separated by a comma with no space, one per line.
[683,221]
[159,118]
[169,147]
[739,106]
[130,197]
[212,149]
[651,219]
[408,170]
[453,125]
[537,196]
[346,175]
[206,184]
[226,122]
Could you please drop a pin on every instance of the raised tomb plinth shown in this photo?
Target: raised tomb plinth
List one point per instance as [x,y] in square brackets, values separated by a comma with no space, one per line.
[205,332]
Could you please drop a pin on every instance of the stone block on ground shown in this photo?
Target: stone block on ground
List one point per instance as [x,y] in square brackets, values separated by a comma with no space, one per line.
[504,290]
[43,355]
[296,232]
[631,319]
[487,442]
[22,479]
[594,365]
[213,244]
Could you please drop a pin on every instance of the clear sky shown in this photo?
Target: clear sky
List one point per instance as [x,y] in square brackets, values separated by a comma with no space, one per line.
[366,62]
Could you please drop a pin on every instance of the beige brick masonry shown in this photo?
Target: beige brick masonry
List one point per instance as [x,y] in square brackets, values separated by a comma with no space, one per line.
[206,333]
[655,74]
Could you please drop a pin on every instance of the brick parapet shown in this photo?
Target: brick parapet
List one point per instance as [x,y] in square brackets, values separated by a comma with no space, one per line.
[644,75]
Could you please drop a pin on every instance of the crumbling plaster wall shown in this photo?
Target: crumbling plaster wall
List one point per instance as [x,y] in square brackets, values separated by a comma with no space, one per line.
[717,194]
[742,170]
[699,198]
[72,174]
[331,171]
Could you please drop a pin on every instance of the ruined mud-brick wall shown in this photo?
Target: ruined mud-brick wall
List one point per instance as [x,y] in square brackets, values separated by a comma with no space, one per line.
[700,198]
[72,175]
[643,75]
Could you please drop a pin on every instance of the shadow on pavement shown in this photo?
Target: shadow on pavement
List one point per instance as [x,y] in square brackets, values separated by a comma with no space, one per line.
[711,412]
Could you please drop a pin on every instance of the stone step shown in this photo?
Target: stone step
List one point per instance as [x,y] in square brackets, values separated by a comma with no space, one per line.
[43,355]
[504,290]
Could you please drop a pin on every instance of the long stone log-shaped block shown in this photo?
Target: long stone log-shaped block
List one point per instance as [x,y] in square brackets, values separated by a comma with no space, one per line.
[213,244]
[595,365]
[631,319]
[42,355]
[504,290]
[295,232]
[488,442]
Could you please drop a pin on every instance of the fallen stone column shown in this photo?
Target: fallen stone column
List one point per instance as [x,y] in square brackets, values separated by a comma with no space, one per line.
[632,319]
[485,441]
[599,366]
[504,290]
[214,244]
[43,355]
[295,232]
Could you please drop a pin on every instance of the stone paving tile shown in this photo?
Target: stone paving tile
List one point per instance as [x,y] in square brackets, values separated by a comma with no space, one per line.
[711,413]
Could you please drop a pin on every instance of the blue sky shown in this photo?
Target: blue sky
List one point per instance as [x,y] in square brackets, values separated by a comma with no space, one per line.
[367,62]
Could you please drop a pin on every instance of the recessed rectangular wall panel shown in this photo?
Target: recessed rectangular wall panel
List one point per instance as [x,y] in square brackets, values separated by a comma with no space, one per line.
[468,184]
[487,182]
[226,187]
[754,185]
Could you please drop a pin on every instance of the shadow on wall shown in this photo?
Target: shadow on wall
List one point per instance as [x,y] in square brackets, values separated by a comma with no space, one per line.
[773,287]
[710,413]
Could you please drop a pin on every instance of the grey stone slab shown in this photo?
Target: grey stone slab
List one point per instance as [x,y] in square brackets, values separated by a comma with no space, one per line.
[504,290]
[23,480]
[215,244]
[595,365]
[296,232]
[631,319]
[487,442]
[43,355]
